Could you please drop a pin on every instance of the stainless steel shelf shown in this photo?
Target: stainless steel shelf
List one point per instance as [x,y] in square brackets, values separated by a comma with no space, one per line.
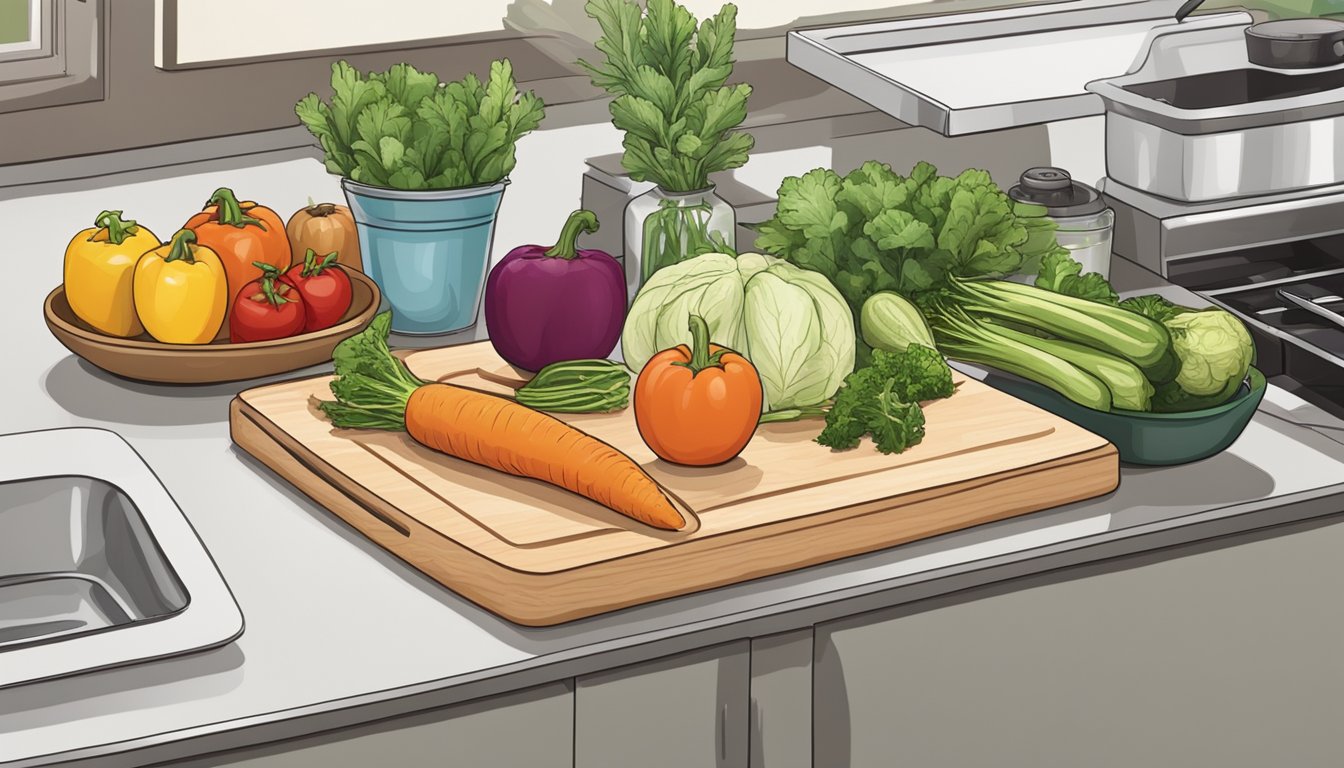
[987,70]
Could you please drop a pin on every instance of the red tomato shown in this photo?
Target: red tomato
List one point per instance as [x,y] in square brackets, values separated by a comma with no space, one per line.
[325,288]
[266,309]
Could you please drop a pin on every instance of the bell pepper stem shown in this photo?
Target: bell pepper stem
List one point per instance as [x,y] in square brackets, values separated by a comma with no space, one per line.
[230,210]
[118,229]
[701,357]
[181,249]
[578,222]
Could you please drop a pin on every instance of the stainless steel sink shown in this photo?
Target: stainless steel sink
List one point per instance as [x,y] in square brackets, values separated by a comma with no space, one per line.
[98,566]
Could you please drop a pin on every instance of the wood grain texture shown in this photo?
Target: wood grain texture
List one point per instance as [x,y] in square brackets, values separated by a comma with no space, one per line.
[538,555]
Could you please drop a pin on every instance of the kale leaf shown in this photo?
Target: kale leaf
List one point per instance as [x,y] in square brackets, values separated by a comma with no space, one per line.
[882,400]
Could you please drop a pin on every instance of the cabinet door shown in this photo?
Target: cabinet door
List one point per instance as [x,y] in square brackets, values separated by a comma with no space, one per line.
[1198,656]
[781,700]
[531,728]
[684,711]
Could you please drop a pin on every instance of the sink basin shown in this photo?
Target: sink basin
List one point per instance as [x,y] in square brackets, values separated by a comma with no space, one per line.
[98,566]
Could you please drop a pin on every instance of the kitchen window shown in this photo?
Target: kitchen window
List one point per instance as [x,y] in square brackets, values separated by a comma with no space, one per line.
[50,52]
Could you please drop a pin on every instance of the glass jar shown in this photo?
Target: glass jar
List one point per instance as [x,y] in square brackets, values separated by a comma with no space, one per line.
[663,228]
[1084,223]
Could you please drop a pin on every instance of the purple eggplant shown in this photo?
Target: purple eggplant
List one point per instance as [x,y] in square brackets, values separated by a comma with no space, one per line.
[544,305]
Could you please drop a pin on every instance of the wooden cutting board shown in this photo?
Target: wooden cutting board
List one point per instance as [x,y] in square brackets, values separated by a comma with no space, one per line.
[537,555]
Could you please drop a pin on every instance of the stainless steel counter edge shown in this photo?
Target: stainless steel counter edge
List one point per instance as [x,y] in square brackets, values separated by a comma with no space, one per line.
[287,724]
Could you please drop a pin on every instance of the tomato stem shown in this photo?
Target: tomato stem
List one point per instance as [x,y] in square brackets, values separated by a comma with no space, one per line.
[183,244]
[230,210]
[118,229]
[701,358]
[313,267]
[566,245]
[269,275]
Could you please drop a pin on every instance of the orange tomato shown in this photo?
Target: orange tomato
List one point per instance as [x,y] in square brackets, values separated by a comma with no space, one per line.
[241,233]
[697,405]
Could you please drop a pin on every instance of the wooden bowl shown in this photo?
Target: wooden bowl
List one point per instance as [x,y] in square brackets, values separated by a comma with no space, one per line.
[144,359]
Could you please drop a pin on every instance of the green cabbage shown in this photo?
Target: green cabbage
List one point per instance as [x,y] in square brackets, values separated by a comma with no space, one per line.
[1213,347]
[1215,350]
[791,323]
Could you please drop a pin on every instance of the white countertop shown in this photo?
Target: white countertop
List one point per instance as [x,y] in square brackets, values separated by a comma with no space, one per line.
[335,625]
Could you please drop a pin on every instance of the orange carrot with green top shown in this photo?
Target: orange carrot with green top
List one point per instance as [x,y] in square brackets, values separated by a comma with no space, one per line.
[375,390]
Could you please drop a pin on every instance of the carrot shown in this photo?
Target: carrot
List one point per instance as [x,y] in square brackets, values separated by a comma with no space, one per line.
[375,390]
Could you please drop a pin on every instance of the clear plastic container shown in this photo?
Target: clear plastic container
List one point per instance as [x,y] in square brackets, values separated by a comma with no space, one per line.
[1088,238]
[1084,222]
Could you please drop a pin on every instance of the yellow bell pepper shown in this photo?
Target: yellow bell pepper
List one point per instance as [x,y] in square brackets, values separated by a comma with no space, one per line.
[99,263]
[181,292]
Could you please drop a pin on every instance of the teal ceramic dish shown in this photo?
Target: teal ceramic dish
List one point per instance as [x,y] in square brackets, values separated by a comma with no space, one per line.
[1153,439]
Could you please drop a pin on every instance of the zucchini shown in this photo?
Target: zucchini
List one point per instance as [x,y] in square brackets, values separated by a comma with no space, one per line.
[1109,329]
[1130,389]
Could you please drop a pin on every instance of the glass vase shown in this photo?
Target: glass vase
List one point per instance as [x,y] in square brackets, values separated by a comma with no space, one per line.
[663,228]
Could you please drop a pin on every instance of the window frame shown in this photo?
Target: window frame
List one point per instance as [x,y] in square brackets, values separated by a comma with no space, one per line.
[39,27]
[63,68]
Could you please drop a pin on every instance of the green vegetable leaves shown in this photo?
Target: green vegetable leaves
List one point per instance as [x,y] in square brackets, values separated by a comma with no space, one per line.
[882,400]
[875,230]
[372,385]
[790,323]
[1062,274]
[1154,307]
[402,129]
[669,79]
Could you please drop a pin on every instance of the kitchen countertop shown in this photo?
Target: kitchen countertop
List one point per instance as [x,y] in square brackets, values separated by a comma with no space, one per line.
[340,632]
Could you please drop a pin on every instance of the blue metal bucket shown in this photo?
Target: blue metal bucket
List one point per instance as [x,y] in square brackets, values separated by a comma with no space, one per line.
[428,251]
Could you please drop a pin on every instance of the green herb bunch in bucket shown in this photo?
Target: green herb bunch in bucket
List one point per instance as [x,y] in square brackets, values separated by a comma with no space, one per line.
[424,165]
[669,76]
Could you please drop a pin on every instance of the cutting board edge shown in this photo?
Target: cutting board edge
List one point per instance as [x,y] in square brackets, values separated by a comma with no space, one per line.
[541,599]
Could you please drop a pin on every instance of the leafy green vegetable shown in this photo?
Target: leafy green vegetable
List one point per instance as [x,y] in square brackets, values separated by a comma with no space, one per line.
[1153,306]
[670,82]
[371,384]
[1214,348]
[1062,274]
[789,322]
[882,400]
[404,130]
[577,386]
[875,230]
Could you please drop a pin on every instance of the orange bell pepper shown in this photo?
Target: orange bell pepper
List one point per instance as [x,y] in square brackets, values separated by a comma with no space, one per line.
[697,405]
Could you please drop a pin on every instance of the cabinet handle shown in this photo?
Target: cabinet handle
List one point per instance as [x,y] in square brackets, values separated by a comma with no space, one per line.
[723,732]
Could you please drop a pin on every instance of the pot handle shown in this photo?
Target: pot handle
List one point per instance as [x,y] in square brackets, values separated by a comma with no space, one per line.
[1187,8]
[1336,42]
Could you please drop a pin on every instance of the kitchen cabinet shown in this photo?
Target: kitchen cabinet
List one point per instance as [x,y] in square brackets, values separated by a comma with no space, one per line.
[685,711]
[1226,655]
[531,728]
[781,700]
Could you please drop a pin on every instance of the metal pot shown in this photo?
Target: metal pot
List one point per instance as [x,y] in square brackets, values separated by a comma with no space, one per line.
[1296,43]
[1222,129]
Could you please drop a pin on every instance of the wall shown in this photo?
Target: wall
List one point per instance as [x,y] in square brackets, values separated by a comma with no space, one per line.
[267,64]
